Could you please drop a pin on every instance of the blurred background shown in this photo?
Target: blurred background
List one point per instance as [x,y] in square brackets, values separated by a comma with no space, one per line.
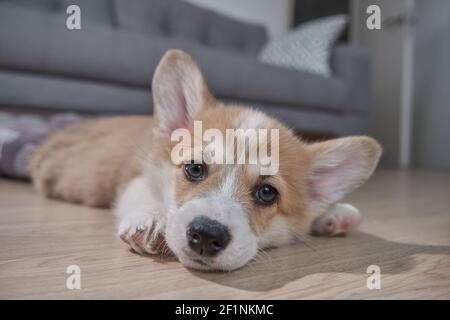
[314,64]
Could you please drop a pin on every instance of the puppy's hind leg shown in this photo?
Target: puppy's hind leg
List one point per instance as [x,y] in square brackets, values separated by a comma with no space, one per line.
[339,219]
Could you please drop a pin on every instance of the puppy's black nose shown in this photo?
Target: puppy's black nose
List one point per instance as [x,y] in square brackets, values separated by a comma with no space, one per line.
[207,237]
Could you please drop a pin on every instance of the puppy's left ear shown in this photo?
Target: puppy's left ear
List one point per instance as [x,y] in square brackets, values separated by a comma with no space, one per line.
[179,91]
[340,166]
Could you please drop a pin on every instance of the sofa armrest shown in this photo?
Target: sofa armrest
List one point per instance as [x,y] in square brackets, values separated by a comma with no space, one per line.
[352,64]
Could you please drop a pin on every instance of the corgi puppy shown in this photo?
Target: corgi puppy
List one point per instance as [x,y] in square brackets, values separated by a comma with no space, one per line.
[211,216]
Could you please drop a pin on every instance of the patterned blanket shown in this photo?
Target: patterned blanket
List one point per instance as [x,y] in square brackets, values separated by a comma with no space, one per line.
[19,136]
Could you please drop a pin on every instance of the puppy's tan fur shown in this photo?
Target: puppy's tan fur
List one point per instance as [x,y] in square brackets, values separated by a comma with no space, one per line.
[87,162]
[90,162]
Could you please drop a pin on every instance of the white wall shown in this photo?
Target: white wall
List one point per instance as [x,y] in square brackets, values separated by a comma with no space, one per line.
[275,15]
[431,147]
[430,110]
[386,48]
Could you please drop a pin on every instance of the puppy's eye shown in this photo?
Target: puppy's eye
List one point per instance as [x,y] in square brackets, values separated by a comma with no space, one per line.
[266,195]
[194,171]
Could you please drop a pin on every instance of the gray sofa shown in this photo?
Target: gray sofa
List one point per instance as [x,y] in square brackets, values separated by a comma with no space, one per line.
[107,66]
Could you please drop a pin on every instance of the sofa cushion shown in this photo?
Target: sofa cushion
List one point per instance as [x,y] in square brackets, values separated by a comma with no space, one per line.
[46,5]
[45,92]
[113,56]
[41,48]
[97,11]
[242,79]
[145,16]
[307,47]
[92,11]
[180,19]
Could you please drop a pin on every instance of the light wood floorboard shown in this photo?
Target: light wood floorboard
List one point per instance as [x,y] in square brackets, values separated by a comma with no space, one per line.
[406,232]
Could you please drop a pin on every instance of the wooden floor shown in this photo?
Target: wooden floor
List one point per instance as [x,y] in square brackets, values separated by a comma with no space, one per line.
[406,232]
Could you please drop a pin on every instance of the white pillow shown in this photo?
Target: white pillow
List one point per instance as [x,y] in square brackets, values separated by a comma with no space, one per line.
[307,47]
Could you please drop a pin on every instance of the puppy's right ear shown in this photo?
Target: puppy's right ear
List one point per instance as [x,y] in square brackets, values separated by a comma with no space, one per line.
[179,91]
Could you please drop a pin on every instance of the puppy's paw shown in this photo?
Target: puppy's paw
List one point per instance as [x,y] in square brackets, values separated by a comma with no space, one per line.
[340,219]
[144,234]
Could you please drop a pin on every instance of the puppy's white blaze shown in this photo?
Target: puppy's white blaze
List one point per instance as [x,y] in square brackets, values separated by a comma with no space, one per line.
[229,186]
[256,120]
[247,124]
[277,234]
[251,119]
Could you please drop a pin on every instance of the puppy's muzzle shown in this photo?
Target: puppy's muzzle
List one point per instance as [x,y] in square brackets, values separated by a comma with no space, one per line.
[207,237]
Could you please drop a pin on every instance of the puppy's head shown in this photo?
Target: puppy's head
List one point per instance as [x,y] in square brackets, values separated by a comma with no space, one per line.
[225,212]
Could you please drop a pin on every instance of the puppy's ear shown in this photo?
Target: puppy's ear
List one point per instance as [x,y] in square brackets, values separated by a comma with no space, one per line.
[340,166]
[179,91]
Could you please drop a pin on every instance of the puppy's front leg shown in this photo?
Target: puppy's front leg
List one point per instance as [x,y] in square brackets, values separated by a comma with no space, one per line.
[141,218]
[339,219]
